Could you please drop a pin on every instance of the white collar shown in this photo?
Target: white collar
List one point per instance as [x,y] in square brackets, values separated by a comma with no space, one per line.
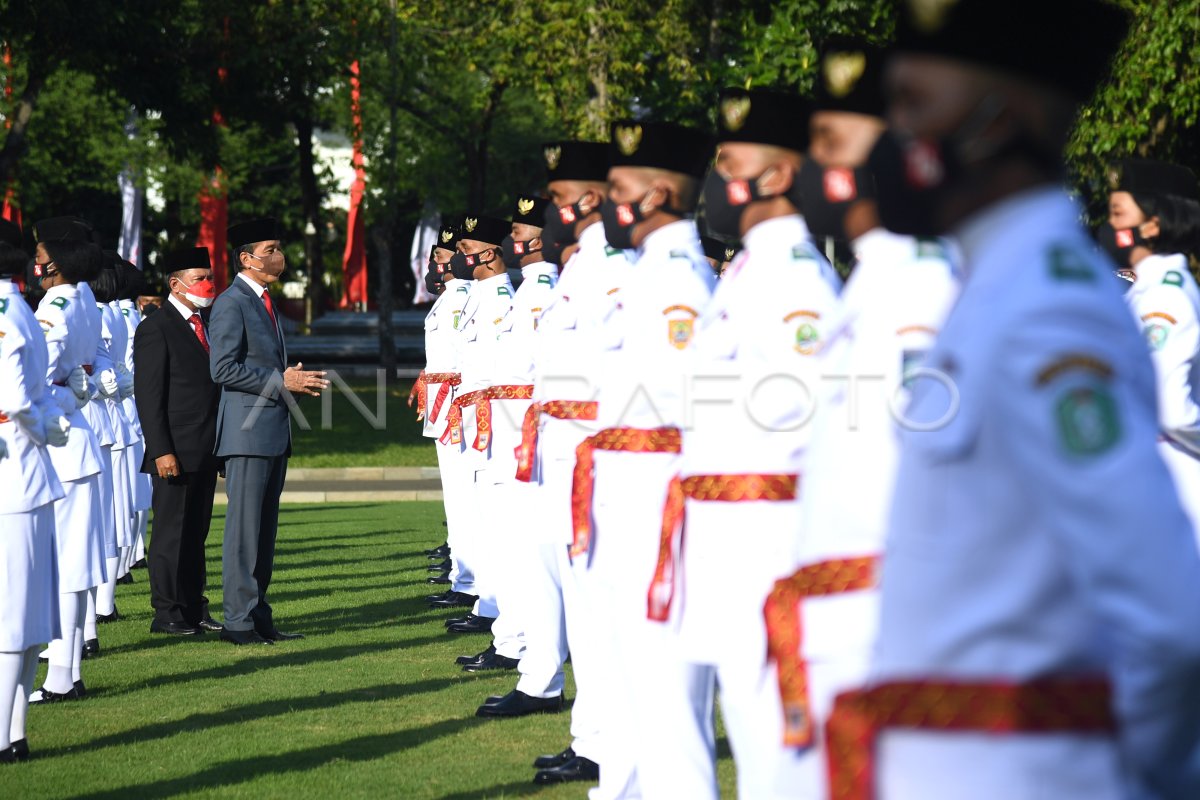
[537,269]
[180,307]
[790,228]
[257,287]
[674,236]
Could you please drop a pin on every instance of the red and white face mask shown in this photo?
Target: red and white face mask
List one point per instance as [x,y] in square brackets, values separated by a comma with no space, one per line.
[202,293]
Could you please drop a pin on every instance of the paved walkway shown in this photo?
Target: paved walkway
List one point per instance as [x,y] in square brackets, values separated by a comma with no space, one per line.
[357,485]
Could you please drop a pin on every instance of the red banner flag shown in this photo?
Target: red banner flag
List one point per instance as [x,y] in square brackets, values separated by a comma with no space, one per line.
[214,219]
[9,209]
[354,259]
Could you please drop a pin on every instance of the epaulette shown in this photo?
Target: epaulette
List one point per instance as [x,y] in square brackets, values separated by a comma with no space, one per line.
[1173,278]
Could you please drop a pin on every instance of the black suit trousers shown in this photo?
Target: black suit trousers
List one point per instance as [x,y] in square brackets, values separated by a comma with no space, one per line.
[182,515]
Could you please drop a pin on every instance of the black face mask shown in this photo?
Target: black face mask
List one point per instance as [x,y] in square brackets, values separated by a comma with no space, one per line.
[824,196]
[1119,244]
[513,251]
[726,200]
[462,266]
[911,176]
[433,282]
[559,230]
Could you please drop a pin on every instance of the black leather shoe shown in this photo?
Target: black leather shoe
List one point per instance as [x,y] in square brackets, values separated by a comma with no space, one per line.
[476,625]
[44,695]
[433,598]
[175,628]
[441,579]
[492,699]
[519,704]
[276,635]
[139,564]
[458,620]
[556,760]
[243,637]
[462,661]
[577,769]
[91,648]
[21,748]
[440,566]
[209,624]
[125,580]
[80,689]
[436,552]
[113,617]
[455,600]
[491,662]
[8,755]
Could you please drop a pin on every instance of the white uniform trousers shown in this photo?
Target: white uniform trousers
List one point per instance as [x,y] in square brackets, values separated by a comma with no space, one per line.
[483,554]
[105,508]
[538,593]
[457,496]
[659,744]
[589,661]
[500,546]
[29,603]
[1185,469]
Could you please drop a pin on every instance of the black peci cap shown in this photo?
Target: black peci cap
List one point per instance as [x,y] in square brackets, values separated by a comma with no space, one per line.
[1065,44]
[253,231]
[850,78]
[576,161]
[188,258]
[530,210]
[717,250]
[762,117]
[1140,176]
[62,229]
[660,145]
[490,230]
[447,237]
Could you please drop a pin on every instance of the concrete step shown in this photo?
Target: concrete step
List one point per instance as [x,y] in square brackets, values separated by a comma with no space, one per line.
[352,491]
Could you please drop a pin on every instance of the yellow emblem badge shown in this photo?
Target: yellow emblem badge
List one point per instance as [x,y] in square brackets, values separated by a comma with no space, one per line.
[842,72]
[552,155]
[524,205]
[447,236]
[930,15]
[469,223]
[734,111]
[629,138]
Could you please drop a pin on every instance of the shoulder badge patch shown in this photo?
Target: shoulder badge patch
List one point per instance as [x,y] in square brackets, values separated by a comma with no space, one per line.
[930,248]
[464,289]
[1066,265]
[544,279]
[60,302]
[457,317]
[808,338]
[3,305]
[1158,315]
[1074,362]
[801,252]
[124,312]
[611,251]
[502,291]
[1156,336]
[679,331]
[1088,423]
[1173,278]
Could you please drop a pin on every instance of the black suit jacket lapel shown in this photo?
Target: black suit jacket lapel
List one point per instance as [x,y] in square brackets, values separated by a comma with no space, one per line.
[183,326]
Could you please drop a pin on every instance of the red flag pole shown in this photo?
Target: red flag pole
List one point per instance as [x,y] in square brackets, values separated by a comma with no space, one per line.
[354,259]
[214,204]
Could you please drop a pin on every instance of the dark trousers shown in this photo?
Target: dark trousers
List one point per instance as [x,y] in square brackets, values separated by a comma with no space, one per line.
[182,514]
[253,485]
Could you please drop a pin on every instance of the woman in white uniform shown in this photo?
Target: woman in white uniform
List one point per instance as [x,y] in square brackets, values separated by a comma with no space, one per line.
[1155,227]
[72,339]
[29,419]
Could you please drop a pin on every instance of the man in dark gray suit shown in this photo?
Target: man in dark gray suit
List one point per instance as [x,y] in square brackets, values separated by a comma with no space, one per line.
[254,434]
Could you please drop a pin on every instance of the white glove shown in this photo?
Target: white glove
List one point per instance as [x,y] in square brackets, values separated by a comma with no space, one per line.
[31,422]
[77,381]
[124,381]
[58,430]
[3,450]
[107,384]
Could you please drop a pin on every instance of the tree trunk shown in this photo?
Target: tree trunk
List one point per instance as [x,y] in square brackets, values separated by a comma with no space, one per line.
[310,200]
[14,142]
[597,72]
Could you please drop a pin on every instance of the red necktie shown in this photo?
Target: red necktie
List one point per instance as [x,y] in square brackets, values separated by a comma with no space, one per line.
[266,296]
[198,326]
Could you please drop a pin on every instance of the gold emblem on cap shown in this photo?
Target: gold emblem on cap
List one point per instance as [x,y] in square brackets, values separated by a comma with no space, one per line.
[447,235]
[734,111]
[553,155]
[1114,179]
[629,138]
[729,253]
[469,223]
[843,71]
[930,15]
[524,205]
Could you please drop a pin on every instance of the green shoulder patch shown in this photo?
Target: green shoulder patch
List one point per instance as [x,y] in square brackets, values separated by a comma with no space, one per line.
[463,289]
[1173,278]
[930,248]
[124,312]
[803,252]
[1088,423]
[3,305]
[60,302]
[502,291]
[611,251]
[1067,265]
[544,279]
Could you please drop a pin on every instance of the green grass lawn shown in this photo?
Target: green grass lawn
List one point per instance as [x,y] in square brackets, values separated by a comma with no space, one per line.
[342,435]
[369,705]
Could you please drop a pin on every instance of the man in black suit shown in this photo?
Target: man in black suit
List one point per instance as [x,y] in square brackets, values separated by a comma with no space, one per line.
[177,404]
